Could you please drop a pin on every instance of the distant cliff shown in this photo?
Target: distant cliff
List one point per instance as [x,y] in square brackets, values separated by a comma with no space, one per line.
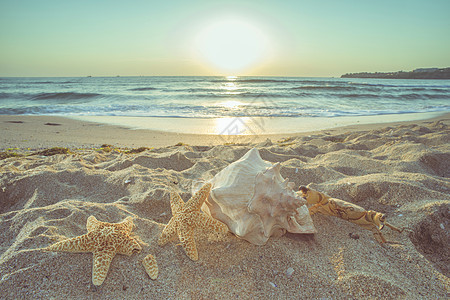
[425,73]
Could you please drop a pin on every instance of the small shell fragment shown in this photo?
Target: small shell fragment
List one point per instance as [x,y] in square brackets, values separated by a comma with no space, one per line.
[151,267]
[354,236]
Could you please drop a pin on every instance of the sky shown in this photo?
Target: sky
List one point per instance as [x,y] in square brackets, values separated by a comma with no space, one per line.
[322,38]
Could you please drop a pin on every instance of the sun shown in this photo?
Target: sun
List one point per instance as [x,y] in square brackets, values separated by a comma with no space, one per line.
[232,45]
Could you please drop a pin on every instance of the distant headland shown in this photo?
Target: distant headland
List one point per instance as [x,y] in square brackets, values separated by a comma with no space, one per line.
[423,73]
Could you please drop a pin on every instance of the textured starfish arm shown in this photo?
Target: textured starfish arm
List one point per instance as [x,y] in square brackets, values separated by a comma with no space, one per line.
[102,261]
[176,203]
[196,202]
[92,223]
[128,247]
[186,236]
[169,232]
[151,267]
[81,243]
[126,224]
[207,222]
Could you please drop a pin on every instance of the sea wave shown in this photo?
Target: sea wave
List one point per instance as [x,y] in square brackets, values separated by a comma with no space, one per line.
[265,81]
[256,80]
[399,85]
[325,88]
[206,97]
[143,89]
[64,96]
[7,95]
[49,82]
[216,111]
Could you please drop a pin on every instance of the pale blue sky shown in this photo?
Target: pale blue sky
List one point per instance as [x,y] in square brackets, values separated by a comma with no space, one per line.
[301,38]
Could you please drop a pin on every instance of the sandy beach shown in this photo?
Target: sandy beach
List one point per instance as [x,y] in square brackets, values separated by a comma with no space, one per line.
[400,169]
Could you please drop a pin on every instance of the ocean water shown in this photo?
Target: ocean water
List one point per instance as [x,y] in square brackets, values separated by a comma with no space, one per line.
[213,97]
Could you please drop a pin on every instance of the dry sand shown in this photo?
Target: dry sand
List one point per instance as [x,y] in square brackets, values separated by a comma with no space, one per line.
[401,170]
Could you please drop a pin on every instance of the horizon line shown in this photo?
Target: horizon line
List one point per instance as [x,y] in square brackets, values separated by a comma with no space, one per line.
[114,76]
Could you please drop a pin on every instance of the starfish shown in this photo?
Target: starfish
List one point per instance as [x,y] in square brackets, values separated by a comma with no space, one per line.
[104,240]
[186,217]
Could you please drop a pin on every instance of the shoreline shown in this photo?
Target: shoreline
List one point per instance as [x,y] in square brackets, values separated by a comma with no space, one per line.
[38,132]
[250,125]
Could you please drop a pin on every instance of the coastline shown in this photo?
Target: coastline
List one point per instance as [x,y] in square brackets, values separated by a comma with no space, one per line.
[39,132]
[251,125]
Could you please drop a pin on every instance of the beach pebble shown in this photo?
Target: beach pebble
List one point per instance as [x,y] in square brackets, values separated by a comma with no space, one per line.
[289,272]
[353,235]
[272,284]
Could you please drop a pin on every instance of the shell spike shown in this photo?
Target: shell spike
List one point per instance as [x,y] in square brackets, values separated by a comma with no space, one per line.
[277,166]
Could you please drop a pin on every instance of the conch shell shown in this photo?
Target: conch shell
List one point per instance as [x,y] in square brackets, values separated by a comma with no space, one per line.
[251,197]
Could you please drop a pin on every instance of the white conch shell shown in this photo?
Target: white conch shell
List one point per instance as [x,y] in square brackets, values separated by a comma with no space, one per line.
[252,198]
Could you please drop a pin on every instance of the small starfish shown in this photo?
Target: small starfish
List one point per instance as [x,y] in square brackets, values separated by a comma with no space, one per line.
[186,217]
[104,240]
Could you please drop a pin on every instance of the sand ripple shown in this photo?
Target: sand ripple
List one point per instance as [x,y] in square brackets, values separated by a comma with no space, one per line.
[402,171]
